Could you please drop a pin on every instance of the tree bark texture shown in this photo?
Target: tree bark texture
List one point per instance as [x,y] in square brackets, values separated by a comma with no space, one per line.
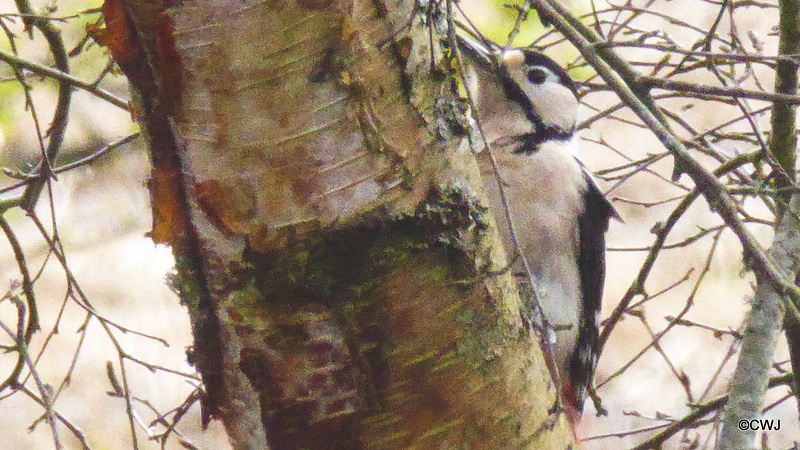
[311,176]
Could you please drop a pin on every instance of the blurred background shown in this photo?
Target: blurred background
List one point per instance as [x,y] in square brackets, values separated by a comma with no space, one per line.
[101,212]
[653,367]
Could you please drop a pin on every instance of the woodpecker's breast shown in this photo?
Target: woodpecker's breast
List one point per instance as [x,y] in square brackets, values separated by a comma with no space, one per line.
[545,191]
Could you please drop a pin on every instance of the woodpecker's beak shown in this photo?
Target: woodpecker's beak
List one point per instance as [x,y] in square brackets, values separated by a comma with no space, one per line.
[477,51]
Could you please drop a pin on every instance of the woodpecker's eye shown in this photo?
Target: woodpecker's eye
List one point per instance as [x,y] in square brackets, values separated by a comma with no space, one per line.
[536,75]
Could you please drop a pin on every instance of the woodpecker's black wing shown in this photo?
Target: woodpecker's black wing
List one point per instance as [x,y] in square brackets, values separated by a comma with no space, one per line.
[592,226]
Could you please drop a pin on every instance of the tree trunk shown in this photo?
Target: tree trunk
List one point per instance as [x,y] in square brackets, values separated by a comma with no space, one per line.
[311,176]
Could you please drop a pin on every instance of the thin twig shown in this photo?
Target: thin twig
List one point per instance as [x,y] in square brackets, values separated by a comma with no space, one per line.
[20,63]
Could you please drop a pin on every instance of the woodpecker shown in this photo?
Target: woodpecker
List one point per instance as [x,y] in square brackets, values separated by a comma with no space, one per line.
[527,108]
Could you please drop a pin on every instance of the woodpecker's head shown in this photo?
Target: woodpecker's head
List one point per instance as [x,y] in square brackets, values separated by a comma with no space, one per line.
[542,89]
[536,89]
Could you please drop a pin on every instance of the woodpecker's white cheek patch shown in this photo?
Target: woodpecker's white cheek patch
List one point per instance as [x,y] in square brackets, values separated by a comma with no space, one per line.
[554,103]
